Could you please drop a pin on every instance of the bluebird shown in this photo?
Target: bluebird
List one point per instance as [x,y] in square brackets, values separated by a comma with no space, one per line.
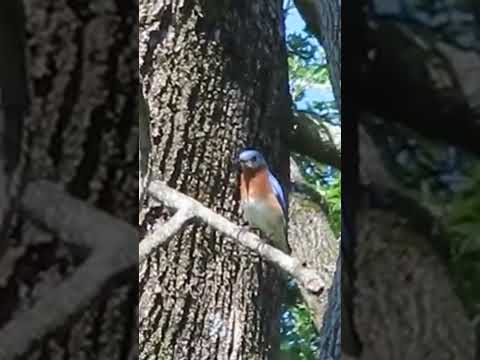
[263,199]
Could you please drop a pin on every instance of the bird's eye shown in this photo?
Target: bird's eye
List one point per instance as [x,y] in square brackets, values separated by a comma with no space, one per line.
[254,158]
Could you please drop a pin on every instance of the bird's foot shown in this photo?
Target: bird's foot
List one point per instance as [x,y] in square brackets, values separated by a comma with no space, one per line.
[245,229]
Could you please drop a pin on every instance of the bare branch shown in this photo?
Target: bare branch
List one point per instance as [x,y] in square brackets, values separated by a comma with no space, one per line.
[111,241]
[52,311]
[174,199]
[74,220]
[167,231]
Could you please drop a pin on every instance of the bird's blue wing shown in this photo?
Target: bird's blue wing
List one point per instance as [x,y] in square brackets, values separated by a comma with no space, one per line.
[279,193]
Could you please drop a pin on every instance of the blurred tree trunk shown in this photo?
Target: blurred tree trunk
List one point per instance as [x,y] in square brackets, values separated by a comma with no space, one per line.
[13,103]
[214,77]
[401,280]
[81,133]
[407,304]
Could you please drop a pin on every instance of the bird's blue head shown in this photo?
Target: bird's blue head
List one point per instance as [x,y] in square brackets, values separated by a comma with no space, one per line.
[251,159]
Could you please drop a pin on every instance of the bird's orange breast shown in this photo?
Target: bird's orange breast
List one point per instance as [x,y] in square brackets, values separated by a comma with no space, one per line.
[254,184]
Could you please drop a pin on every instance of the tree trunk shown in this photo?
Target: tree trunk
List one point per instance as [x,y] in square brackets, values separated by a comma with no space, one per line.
[401,279]
[402,283]
[215,80]
[312,240]
[13,103]
[81,133]
[331,340]
[323,19]
[408,301]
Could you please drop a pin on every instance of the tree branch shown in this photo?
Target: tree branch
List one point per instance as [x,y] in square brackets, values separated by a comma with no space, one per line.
[174,199]
[76,222]
[52,311]
[313,137]
[168,230]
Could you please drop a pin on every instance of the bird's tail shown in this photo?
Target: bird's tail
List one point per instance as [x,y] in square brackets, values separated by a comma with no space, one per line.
[280,240]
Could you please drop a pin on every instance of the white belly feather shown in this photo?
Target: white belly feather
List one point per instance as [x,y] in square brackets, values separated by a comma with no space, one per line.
[271,223]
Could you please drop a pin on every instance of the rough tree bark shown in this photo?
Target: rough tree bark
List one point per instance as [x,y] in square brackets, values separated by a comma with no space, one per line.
[310,232]
[312,239]
[81,133]
[214,76]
